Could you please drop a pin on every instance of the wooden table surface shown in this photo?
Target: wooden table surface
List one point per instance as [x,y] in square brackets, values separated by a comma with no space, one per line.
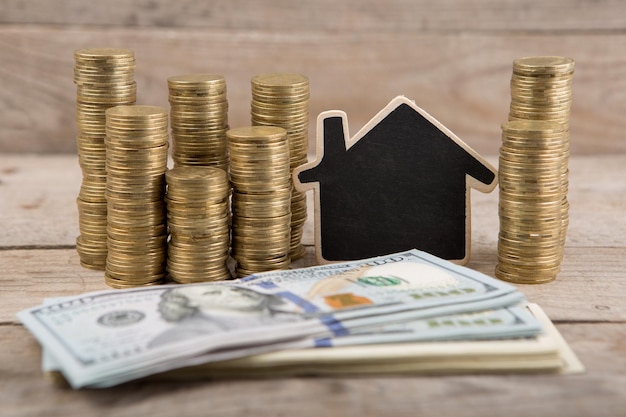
[587,302]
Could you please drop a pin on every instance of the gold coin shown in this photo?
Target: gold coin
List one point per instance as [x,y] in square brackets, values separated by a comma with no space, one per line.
[283,100]
[194,81]
[200,175]
[543,65]
[257,134]
[137,113]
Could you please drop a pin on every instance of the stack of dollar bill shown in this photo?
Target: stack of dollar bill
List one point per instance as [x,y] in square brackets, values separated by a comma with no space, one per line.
[408,312]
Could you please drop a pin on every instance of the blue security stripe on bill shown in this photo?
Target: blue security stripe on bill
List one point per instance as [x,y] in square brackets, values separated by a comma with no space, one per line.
[305,305]
[333,325]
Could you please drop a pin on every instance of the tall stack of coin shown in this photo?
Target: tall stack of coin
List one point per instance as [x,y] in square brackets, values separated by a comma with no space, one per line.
[199,120]
[283,100]
[541,89]
[261,201]
[198,217]
[137,142]
[530,174]
[104,78]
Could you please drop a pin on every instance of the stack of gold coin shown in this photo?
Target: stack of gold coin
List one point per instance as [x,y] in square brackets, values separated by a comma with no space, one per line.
[137,142]
[198,217]
[104,78]
[199,120]
[541,89]
[261,201]
[530,174]
[283,100]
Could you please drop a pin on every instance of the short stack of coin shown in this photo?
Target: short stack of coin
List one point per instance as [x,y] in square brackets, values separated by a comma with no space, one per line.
[530,174]
[104,78]
[541,89]
[283,100]
[199,120]
[137,141]
[198,217]
[261,203]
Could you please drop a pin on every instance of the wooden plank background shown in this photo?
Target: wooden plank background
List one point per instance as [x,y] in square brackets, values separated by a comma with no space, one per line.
[40,223]
[452,57]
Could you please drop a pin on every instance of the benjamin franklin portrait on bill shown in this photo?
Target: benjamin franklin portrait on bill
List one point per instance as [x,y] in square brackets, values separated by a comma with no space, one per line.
[205,309]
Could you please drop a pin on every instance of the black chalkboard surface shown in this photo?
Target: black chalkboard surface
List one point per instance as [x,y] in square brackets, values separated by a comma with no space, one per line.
[402,182]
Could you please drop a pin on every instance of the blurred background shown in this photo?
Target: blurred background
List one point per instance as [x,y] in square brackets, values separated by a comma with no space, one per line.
[452,57]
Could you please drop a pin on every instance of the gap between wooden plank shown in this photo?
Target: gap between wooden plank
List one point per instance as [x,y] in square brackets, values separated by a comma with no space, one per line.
[36,247]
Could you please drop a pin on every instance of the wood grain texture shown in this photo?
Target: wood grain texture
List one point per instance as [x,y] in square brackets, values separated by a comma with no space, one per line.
[40,225]
[326,15]
[29,276]
[38,203]
[38,200]
[460,77]
[585,302]
[600,392]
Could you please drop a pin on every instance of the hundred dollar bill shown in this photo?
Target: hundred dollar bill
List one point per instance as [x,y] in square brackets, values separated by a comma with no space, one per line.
[507,322]
[546,352]
[113,335]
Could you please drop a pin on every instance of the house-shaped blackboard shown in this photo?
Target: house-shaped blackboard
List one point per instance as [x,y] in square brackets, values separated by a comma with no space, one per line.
[402,182]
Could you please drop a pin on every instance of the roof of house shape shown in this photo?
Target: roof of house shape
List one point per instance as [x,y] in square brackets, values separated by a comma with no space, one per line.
[402,182]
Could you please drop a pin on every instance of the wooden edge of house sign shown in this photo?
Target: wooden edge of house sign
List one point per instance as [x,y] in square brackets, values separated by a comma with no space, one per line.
[402,182]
